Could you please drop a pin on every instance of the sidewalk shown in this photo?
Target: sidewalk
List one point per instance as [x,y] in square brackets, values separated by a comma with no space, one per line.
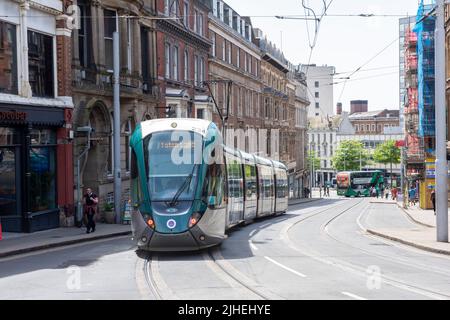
[18,243]
[421,234]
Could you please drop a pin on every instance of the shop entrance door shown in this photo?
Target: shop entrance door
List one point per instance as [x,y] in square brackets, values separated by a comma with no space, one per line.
[10,189]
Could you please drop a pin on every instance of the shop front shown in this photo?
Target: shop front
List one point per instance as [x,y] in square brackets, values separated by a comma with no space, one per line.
[30,167]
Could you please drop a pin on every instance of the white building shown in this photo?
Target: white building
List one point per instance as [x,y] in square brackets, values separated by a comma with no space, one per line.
[320,89]
[323,138]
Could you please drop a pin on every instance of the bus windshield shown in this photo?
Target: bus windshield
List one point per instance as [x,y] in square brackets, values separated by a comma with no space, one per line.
[167,177]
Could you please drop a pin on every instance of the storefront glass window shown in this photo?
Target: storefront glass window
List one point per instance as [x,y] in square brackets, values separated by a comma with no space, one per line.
[8,58]
[43,170]
[8,199]
[8,136]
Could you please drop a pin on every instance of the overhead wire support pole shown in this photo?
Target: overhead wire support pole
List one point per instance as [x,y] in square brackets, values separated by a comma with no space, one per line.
[116,130]
[441,190]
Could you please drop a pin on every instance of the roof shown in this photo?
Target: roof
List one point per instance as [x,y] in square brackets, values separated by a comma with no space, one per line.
[323,123]
[375,114]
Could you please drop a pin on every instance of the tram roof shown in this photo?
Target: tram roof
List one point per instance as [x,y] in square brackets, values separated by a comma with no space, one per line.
[170,124]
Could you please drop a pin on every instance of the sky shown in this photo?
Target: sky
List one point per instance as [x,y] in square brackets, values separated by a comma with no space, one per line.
[343,42]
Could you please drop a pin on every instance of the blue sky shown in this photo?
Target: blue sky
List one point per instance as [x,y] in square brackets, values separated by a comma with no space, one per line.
[344,42]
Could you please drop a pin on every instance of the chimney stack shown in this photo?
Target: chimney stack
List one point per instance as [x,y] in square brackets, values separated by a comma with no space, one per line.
[339,108]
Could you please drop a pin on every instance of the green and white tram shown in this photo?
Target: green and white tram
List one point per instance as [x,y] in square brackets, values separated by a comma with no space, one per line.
[188,189]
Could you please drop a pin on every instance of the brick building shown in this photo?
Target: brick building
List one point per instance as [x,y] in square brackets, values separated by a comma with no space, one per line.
[375,122]
[234,58]
[36,108]
[182,46]
[92,66]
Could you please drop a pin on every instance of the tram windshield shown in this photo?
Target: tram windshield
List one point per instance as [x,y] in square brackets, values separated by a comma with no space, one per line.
[172,165]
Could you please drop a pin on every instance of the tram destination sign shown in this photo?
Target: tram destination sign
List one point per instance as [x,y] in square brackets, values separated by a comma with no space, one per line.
[13,115]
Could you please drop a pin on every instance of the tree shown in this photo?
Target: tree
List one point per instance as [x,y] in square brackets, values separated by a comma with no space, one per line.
[387,153]
[350,156]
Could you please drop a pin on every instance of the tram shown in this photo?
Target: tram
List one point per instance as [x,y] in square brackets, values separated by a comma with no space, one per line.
[188,188]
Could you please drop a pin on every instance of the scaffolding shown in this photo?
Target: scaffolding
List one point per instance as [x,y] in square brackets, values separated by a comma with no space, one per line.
[424,29]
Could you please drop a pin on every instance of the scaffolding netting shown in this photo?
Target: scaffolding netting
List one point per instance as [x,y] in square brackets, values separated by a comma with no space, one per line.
[425,28]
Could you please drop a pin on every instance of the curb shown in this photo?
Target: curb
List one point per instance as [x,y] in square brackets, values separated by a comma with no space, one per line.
[413,219]
[62,244]
[409,243]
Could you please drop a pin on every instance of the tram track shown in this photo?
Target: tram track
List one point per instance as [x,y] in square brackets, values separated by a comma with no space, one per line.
[351,267]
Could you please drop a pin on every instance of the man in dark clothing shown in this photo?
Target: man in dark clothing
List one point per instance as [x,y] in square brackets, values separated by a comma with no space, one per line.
[91,201]
[433,200]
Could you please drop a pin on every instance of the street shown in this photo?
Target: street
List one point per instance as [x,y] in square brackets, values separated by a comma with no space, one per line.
[317,250]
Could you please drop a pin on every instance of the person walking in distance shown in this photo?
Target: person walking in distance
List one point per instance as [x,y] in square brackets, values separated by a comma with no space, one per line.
[91,201]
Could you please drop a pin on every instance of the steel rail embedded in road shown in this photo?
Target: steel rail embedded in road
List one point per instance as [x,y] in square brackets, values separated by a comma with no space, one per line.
[351,267]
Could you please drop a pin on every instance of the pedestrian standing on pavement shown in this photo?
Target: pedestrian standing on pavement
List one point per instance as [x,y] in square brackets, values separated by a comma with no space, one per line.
[91,201]
[328,191]
[433,201]
[320,191]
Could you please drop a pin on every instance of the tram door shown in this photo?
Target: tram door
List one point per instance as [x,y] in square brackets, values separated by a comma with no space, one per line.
[235,210]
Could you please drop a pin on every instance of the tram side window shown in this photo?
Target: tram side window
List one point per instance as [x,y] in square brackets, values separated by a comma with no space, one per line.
[235,183]
[250,182]
[213,192]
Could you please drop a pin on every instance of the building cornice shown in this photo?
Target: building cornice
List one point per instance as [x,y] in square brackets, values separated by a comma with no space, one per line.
[180,31]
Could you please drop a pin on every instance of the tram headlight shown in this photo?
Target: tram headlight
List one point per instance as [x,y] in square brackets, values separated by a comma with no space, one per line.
[150,222]
[194,219]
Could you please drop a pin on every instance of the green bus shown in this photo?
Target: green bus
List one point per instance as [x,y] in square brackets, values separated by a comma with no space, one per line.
[358,183]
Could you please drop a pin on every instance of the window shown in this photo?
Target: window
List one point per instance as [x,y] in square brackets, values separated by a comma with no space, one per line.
[40,64]
[250,58]
[186,15]
[166,7]
[317,94]
[229,52]
[213,47]
[200,24]
[186,66]
[129,44]
[175,64]
[8,58]
[317,105]
[224,55]
[167,49]
[317,114]
[200,113]
[196,76]
[245,62]
[146,77]
[127,133]
[238,58]
[316,84]
[43,170]
[202,71]
[110,23]
[83,34]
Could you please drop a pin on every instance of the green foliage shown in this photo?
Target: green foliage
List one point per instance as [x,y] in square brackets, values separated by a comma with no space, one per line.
[350,156]
[107,207]
[387,153]
[313,159]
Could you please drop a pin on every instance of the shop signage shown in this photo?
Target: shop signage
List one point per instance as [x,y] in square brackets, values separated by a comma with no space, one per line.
[13,116]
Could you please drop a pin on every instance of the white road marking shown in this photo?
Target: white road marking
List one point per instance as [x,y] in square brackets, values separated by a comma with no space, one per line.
[253,233]
[265,225]
[358,221]
[286,268]
[252,245]
[354,296]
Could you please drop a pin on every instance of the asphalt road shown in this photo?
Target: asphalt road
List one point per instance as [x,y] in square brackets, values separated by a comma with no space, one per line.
[317,250]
